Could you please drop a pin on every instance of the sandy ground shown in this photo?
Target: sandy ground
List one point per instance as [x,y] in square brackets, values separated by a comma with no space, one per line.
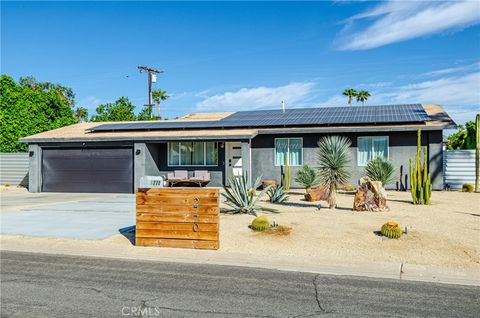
[445,234]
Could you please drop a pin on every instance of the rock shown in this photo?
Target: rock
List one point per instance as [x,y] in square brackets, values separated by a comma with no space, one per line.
[370,196]
[316,194]
[269,182]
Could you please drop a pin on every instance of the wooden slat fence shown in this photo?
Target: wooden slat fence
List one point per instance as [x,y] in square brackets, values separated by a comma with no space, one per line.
[178,217]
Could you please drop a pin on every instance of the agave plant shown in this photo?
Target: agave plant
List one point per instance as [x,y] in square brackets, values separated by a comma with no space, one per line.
[277,195]
[334,159]
[307,176]
[241,198]
[382,170]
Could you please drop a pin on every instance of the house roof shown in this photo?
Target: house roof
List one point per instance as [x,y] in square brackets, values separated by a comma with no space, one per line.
[81,132]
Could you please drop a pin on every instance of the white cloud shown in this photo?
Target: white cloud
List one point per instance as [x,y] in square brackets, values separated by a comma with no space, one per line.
[257,97]
[396,21]
[458,93]
[452,70]
[460,90]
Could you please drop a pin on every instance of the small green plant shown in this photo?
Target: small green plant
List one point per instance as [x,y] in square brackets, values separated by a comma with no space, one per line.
[286,175]
[260,224]
[467,187]
[242,198]
[349,188]
[334,157]
[277,195]
[307,177]
[391,230]
[381,170]
[420,183]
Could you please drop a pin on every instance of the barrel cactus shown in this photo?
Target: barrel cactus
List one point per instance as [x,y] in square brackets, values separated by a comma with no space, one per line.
[467,187]
[260,223]
[391,230]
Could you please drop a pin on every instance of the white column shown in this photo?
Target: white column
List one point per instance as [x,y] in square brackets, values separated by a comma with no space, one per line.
[246,160]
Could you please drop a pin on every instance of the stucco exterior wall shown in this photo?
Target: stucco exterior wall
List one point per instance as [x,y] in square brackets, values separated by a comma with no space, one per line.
[402,147]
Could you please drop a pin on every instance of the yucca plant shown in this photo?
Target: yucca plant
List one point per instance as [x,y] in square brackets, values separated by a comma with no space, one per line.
[242,198]
[307,177]
[334,158]
[277,195]
[382,170]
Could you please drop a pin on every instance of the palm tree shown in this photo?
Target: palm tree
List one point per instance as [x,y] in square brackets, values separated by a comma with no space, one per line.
[350,93]
[81,113]
[334,159]
[362,96]
[158,95]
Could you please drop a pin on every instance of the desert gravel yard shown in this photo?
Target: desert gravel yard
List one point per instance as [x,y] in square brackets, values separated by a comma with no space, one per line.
[444,234]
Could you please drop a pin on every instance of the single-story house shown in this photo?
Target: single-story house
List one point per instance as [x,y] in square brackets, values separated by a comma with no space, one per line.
[113,156]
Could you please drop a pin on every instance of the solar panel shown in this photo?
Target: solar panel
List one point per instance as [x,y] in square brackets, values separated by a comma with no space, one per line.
[384,114]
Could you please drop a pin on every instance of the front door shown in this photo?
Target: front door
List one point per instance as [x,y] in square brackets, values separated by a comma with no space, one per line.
[234,159]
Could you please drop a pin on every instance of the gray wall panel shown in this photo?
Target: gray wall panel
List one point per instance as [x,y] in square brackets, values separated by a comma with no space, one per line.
[14,168]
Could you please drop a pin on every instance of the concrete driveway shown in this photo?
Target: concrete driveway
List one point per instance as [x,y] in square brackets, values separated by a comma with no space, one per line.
[65,215]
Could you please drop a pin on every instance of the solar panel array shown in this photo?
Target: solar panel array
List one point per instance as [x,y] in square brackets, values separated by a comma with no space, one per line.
[384,114]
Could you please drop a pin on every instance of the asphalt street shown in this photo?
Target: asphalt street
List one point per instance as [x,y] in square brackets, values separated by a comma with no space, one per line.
[41,285]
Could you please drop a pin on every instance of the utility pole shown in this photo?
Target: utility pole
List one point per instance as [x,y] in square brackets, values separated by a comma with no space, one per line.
[152,78]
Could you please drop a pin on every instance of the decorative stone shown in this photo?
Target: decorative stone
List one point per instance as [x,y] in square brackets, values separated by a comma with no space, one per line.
[316,194]
[370,196]
[269,182]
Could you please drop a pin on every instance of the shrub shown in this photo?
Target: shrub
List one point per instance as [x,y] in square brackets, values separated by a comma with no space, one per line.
[260,223]
[307,177]
[380,169]
[349,188]
[391,230]
[242,198]
[334,157]
[467,187]
[277,195]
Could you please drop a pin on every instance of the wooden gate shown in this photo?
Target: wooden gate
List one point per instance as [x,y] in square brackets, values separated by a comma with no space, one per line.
[178,217]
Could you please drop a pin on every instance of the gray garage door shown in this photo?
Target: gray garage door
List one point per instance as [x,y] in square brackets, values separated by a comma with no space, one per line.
[92,170]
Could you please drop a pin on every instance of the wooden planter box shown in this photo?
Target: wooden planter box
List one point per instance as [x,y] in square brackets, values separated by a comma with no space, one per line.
[178,217]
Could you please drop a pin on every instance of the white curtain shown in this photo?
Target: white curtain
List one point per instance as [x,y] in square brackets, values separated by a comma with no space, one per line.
[380,146]
[211,153]
[281,150]
[173,154]
[198,157]
[364,150]
[295,150]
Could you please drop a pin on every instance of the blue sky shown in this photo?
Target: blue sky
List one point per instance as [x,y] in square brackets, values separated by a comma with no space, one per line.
[228,56]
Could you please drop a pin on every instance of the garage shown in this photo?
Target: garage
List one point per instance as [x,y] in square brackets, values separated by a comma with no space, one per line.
[94,170]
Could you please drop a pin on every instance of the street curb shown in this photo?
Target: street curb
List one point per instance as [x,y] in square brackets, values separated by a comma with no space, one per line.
[395,271]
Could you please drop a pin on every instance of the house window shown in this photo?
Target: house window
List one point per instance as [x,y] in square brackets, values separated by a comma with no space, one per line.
[371,147]
[291,148]
[192,154]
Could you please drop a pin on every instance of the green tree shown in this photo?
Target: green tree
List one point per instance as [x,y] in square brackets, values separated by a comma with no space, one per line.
[66,92]
[27,110]
[362,96]
[350,93]
[464,138]
[121,110]
[334,158]
[158,95]
[81,113]
[145,113]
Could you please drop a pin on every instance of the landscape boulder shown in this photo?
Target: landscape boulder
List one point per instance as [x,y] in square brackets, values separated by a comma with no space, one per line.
[370,196]
[316,194]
